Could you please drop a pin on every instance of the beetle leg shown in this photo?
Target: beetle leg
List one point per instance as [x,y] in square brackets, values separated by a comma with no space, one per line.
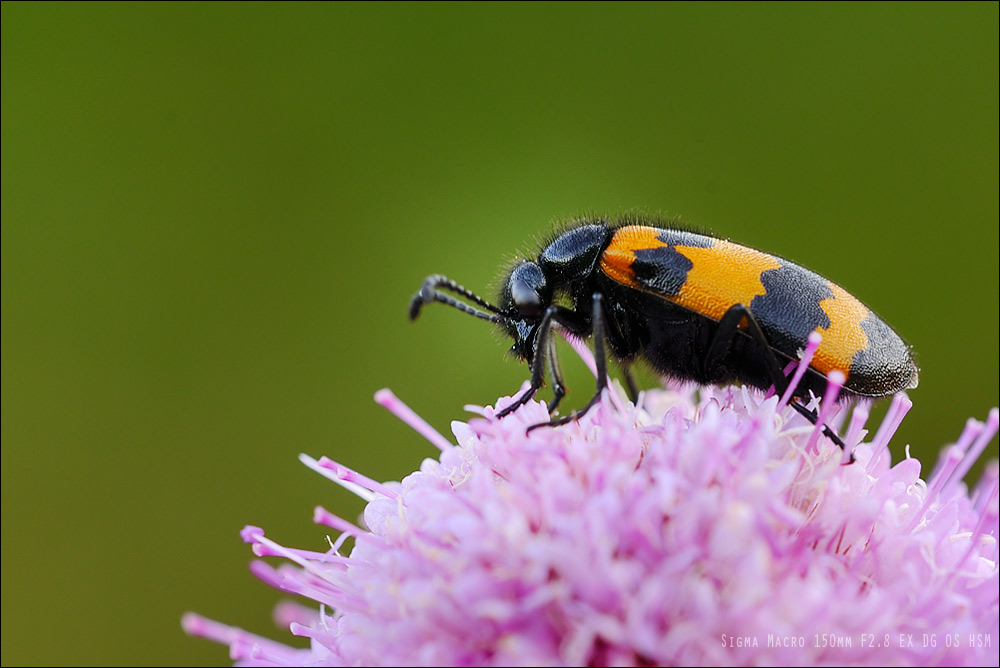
[728,326]
[555,373]
[723,339]
[600,362]
[537,364]
[812,417]
[630,385]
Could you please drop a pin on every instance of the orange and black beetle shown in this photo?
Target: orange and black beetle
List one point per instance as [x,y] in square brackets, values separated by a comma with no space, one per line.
[693,306]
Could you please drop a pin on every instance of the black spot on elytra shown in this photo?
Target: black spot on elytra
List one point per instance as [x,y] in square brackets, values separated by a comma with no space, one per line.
[685,238]
[789,309]
[663,269]
[885,365]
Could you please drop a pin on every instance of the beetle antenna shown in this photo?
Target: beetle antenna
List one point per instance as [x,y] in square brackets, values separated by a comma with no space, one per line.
[430,292]
[439,281]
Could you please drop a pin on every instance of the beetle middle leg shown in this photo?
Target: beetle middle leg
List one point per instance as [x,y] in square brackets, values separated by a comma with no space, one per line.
[555,373]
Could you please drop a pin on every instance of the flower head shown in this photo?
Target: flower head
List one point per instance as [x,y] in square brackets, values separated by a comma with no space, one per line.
[697,527]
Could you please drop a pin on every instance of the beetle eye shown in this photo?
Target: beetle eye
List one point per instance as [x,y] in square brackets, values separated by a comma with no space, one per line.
[527,287]
[526,299]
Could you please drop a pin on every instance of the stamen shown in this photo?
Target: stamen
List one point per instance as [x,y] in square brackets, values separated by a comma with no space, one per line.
[351,487]
[391,402]
[985,436]
[203,627]
[950,461]
[834,381]
[987,517]
[815,338]
[323,516]
[347,474]
[898,409]
[972,429]
[859,417]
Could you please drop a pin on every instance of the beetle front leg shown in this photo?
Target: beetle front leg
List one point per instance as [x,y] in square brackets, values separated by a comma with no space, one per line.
[541,347]
[600,362]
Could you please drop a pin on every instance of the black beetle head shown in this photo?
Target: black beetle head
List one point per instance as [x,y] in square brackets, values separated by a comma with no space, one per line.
[523,299]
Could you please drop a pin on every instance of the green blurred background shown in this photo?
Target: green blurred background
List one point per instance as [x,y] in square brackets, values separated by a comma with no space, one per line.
[214,215]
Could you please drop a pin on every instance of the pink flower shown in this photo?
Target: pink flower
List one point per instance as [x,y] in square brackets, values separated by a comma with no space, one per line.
[700,527]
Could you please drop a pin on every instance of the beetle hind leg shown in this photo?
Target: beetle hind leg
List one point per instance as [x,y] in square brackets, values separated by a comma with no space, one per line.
[729,325]
[813,418]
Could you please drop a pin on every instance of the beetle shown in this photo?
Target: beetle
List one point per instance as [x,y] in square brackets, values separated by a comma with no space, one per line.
[694,307]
